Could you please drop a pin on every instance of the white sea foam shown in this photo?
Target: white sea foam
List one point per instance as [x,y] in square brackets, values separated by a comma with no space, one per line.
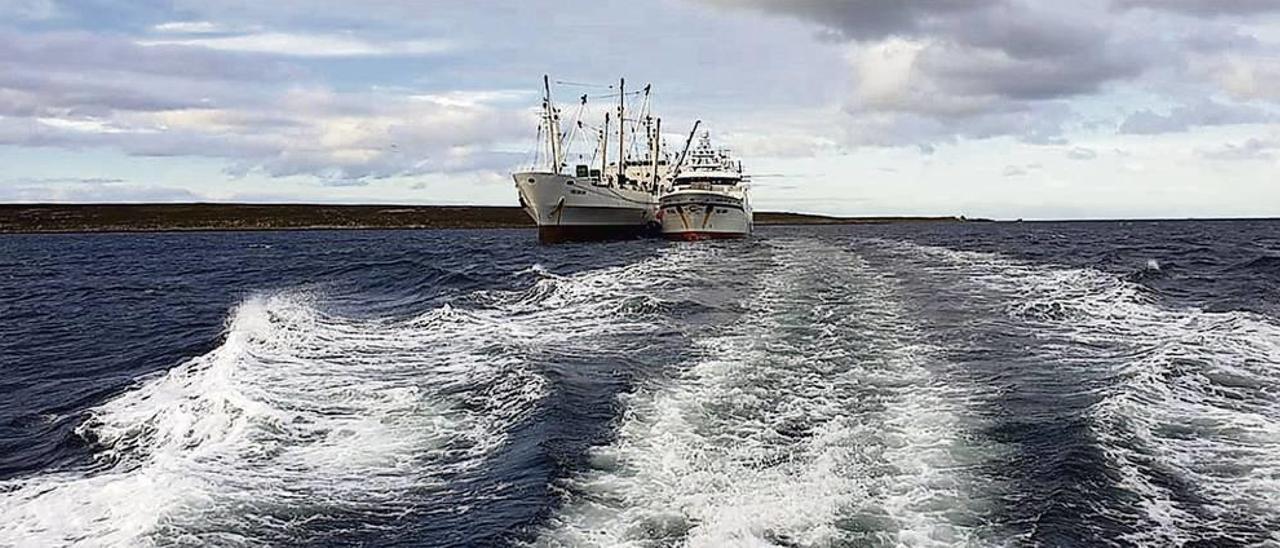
[815,419]
[300,416]
[1193,405]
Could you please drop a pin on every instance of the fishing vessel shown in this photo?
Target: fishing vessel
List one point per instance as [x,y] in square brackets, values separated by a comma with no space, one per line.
[708,197]
[599,198]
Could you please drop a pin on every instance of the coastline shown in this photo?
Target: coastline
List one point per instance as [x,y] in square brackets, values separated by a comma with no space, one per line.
[204,217]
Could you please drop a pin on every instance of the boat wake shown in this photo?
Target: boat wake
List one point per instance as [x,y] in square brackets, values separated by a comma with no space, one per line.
[815,419]
[1186,417]
[301,422]
[771,392]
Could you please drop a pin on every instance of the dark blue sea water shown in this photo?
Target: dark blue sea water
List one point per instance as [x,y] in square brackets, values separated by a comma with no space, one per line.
[934,384]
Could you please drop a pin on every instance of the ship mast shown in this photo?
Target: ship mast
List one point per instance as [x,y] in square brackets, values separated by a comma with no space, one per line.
[646,114]
[622,130]
[604,149]
[655,141]
[553,124]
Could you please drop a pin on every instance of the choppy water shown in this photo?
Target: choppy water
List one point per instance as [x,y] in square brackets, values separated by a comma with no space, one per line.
[920,385]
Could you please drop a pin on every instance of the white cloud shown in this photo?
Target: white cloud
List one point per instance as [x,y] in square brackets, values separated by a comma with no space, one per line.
[1082,153]
[308,45]
[83,125]
[91,190]
[476,97]
[1249,77]
[191,27]
[1021,170]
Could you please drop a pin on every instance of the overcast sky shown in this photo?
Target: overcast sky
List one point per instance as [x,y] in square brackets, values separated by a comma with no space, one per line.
[996,108]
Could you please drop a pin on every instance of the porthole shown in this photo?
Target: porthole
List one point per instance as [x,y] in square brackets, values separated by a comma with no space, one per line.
[531,181]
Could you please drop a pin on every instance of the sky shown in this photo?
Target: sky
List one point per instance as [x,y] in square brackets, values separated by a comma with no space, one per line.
[985,108]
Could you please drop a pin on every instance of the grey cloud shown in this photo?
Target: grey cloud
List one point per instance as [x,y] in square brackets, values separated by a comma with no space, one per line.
[1252,149]
[383,141]
[1204,7]
[976,73]
[1183,118]
[947,70]
[178,101]
[84,51]
[1040,123]
[1002,47]
[85,75]
[867,19]
[35,93]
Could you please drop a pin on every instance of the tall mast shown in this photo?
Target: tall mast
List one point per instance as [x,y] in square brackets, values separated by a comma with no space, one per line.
[604,148]
[646,114]
[553,124]
[655,141]
[622,130]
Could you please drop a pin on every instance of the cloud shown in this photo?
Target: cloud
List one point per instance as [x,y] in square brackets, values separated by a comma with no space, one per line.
[79,52]
[340,138]
[1185,117]
[1081,153]
[1250,150]
[68,180]
[76,90]
[191,27]
[308,45]
[1246,77]
[867,19]
[31,10]
[1021,170]
[91,191]
[926,72]
[1204,7]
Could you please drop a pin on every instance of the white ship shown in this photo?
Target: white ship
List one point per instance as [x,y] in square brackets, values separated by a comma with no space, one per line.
[598,199]
[708,198]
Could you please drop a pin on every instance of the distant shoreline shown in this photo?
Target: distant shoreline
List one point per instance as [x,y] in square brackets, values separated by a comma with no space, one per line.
[202,217]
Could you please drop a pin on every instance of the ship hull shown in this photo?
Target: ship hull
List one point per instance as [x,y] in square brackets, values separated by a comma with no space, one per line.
[705,215]
[567,209]
[550,234]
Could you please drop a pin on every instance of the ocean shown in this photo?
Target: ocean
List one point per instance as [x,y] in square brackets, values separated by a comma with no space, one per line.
[971,384]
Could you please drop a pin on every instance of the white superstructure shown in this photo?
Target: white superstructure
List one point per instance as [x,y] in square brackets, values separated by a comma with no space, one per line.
[708,198]
[597,199]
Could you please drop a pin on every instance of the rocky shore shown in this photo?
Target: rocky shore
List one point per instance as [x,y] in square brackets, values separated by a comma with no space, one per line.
[56,218]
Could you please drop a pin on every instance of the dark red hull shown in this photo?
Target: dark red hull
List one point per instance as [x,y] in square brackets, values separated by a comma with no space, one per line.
[698,236]
[593,233]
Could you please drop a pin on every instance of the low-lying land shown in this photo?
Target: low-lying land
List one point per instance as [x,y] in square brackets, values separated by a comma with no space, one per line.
[35,218]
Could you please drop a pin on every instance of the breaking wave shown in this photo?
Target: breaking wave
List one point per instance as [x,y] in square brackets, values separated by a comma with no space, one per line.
[302,420]
[1188,419]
